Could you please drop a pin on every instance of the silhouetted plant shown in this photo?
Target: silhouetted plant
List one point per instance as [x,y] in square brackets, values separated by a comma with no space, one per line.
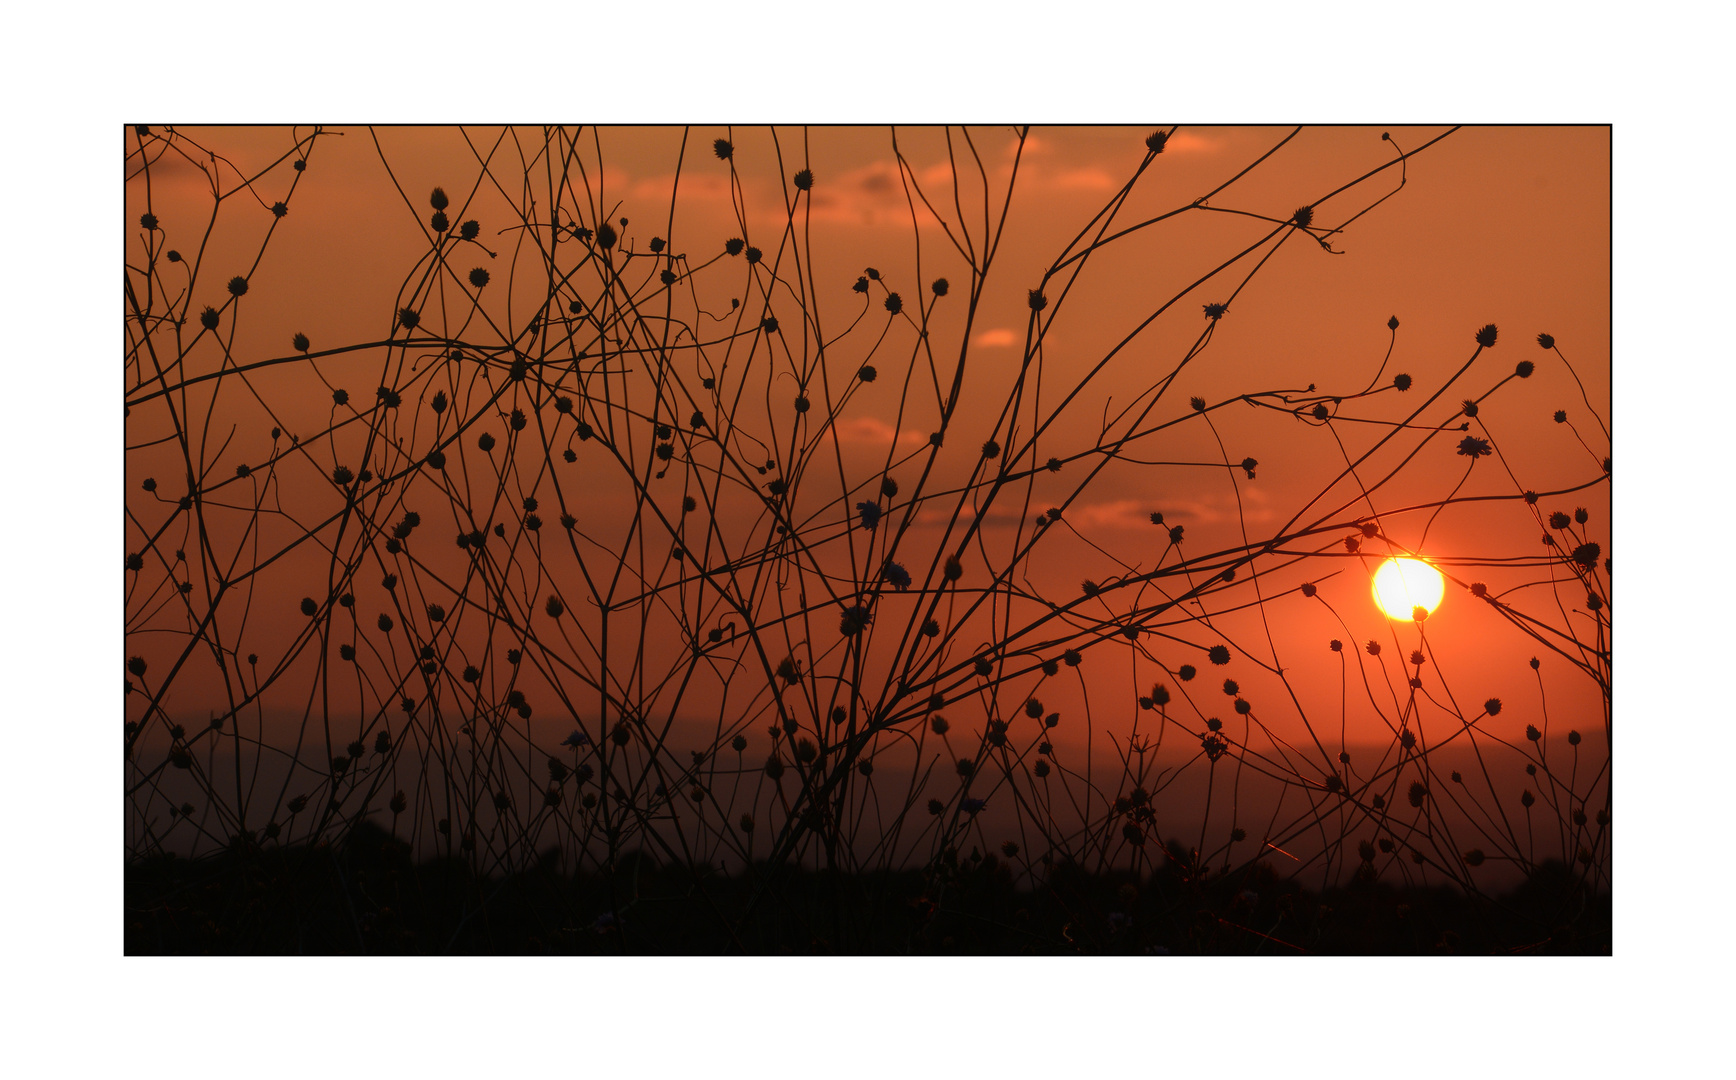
[735,648]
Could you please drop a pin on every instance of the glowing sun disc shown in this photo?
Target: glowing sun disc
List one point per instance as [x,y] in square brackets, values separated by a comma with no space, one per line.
[1403,585]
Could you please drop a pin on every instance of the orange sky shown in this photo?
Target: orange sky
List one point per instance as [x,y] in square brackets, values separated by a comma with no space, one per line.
[1508,226]
[1502,225]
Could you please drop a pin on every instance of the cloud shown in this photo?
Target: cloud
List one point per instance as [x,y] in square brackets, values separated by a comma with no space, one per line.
[874,195]
[695,187]
[872,431]
[996,338]
[1120,514]
[1220,507]
[1211,508]
[1186,142]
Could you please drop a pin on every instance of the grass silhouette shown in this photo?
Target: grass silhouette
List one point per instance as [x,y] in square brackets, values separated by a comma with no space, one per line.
[622,587]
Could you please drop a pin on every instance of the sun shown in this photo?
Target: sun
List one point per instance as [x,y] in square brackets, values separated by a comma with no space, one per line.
[1405,587]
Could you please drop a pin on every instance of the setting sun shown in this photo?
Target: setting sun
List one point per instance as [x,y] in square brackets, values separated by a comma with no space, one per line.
[1401,586]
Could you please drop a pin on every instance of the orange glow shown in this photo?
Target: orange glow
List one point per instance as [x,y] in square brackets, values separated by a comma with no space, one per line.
[1401,586]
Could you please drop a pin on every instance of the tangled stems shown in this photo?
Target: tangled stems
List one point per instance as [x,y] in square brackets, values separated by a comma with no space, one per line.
[662,538]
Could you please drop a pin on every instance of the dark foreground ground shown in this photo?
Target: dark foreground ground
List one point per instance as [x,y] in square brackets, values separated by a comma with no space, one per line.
[367,896]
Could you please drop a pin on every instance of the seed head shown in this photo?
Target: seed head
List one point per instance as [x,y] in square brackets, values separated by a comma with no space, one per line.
[896,574]
[1303,217]
[1154,142]
[1486,336]
[1218,654]
[208,318]
[894,303]
[805,180]
[1492,706]
[1524,369]
[469,230]
[479,277]
[722,149]
[854,620]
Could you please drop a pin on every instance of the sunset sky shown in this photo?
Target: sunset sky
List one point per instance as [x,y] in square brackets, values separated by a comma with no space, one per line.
[1493,225]
[1488,63]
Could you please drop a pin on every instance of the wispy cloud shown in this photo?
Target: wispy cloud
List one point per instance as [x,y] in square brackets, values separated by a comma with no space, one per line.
[1186,142]
[873,431]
